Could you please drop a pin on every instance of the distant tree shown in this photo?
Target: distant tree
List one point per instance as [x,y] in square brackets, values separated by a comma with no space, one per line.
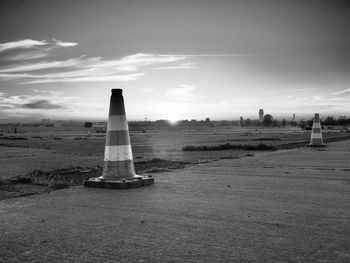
[284,122]
[330,121]
[275,123]
[309,122]
[293,123]
[241,121]
[267,120]
[88,124]
[247,122]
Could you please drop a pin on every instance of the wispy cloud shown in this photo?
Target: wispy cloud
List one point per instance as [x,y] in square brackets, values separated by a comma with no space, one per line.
[37,102]
[48,65]
[342,92]
[42,104]
[187,65]
[25,43]
[129,77]
[78,69]
[208,55]
[29,49]
[64,44]
[30,43]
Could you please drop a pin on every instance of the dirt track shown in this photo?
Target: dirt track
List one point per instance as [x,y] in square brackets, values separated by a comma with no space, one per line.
[284,206]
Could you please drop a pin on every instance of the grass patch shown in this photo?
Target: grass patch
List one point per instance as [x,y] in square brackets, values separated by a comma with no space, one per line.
[59,185]
[14,138]
[228,146]
[157,165]
[42,181]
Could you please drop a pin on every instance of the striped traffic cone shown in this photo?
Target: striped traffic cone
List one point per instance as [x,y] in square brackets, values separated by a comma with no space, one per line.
[316,135]
[118,164]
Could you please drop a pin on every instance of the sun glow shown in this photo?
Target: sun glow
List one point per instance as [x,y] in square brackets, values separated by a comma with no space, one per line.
[173,118]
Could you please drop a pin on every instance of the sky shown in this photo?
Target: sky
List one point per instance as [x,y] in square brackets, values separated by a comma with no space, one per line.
[174,59]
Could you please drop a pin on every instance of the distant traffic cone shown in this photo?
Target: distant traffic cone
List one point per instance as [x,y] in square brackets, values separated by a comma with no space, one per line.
[118,164]
[316,135]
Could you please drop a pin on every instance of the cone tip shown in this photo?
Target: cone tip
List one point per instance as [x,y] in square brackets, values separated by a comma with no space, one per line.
[117,91]
[317,117]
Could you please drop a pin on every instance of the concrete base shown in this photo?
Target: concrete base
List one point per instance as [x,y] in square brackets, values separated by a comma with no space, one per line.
[316,145]
[121,184]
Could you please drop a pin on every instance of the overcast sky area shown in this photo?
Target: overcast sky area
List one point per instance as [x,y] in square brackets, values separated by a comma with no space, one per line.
[183,59]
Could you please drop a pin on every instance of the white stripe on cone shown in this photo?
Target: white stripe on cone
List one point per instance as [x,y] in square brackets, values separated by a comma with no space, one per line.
[117,123]
[316,136]
[118,153]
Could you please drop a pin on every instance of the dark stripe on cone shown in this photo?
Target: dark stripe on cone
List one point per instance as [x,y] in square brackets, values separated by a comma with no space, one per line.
[115,138]
[116,106]
[317,118]
[316,130]
[118,169]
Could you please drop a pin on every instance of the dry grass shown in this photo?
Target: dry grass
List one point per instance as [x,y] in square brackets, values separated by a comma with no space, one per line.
[228,146]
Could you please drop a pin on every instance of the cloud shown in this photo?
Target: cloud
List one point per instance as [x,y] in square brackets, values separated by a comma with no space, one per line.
[29,49]
[47,65]
[78,69]
[45,101]
[42,104]
[129,77]
[65,44]
[30,43]
[26,43]
[187,65]
[32,54]
[342,92]
[208,55]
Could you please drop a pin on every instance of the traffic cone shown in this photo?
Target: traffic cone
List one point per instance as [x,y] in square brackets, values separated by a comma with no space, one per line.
[316,135]
[118,164]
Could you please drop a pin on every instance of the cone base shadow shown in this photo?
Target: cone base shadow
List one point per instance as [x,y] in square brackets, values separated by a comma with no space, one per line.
[120,184]
[316,145]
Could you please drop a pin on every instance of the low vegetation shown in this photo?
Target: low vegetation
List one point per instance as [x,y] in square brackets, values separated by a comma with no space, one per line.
[13,138]
[40,181]
[228,146]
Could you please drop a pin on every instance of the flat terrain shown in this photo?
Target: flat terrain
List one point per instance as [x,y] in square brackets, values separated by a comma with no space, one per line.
[57,150]
[281,206]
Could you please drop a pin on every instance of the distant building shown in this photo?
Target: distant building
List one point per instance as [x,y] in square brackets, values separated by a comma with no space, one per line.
[261,115]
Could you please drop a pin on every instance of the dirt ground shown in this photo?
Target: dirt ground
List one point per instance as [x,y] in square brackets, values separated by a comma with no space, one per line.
[25,154]
[61,150]
[281,206]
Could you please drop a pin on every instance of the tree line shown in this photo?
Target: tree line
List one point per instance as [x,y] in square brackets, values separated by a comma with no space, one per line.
[269,121]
